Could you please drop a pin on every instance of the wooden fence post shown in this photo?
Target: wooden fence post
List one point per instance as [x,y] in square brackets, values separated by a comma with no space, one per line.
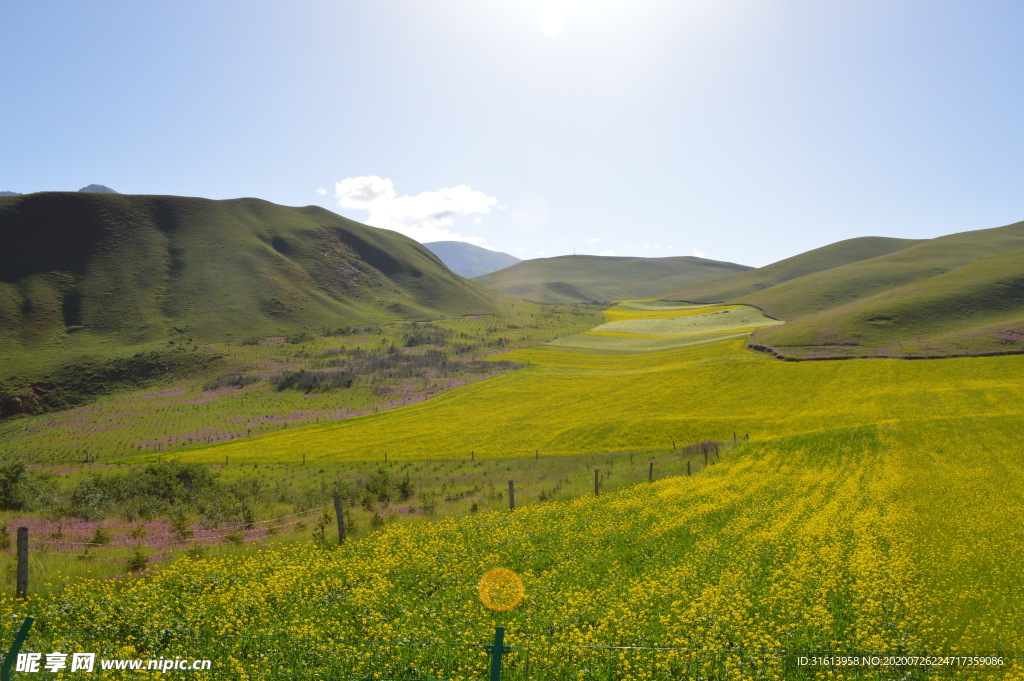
[511,496]
[596,483]
[339,513]
[650,472]
[21,580]
[687,467]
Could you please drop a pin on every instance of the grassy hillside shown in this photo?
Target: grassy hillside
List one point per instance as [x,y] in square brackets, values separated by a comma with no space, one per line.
[468,260]
[592,278]
[974,309]
[110,274]
[959,294]
[751,281]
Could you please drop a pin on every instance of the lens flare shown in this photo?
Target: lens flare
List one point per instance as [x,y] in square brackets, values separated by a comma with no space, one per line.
[500,589]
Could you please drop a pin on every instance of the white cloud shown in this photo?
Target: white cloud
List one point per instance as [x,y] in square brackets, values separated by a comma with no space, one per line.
[697,253]
[594,240]
[477,221]
[321,192]
[608,252]
[542,252]
[424,217]
[518,250]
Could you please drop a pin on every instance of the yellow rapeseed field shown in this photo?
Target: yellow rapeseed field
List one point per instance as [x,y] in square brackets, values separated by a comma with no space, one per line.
[577,401]
[875,511]
[890,539]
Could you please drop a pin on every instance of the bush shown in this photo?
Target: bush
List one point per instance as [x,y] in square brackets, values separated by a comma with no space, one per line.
[137,561]
[92,498]
[101,537]
[230,381]
[20,489]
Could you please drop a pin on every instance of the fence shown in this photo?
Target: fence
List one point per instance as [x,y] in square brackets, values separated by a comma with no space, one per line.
[493,659]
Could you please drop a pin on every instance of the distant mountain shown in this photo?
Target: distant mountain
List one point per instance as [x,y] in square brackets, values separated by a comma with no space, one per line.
[98,188]
[595,278]
[469,260]
[114,270]
[10,194]
[960,294]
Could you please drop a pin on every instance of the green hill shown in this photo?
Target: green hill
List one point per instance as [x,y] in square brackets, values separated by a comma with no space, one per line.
[105,273]
[959,294]
[977,308]
[593,278]
[752,281]
[468,260]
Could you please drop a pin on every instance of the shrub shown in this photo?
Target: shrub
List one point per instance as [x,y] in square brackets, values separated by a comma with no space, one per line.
[230,381]
[137,561]
[19,488]
[101,537]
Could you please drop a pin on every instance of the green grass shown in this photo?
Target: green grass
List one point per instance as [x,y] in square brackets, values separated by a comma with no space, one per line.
[818,260]
[889,539]
[959,294]
[873,510]
[207,402]
[568,279]
[571,402]
[110,274]
[974,309]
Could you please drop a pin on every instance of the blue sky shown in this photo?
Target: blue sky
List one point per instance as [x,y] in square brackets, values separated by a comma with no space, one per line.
[743,131]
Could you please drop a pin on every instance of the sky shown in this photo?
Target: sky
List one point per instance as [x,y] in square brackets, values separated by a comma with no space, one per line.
[744,131]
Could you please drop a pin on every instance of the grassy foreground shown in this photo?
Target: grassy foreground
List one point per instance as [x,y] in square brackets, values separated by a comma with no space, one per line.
[850,541]
[874,511]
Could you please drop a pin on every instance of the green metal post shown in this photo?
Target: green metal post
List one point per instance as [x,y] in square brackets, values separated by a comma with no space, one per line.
[496,651]
[12,654]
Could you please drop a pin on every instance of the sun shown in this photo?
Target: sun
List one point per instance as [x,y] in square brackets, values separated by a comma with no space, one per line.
[552,18]
[500,589]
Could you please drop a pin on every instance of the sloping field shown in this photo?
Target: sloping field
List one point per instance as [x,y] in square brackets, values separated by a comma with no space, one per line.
[891,539]
[571,401]
[711,320]
[643,327]
[605,342]
[874,511]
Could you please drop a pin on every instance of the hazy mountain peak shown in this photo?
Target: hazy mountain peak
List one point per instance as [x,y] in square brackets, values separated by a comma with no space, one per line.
[98,188]
[468,260]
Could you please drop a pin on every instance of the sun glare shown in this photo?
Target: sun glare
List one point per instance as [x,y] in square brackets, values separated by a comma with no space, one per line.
[552,18]
[500,589]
